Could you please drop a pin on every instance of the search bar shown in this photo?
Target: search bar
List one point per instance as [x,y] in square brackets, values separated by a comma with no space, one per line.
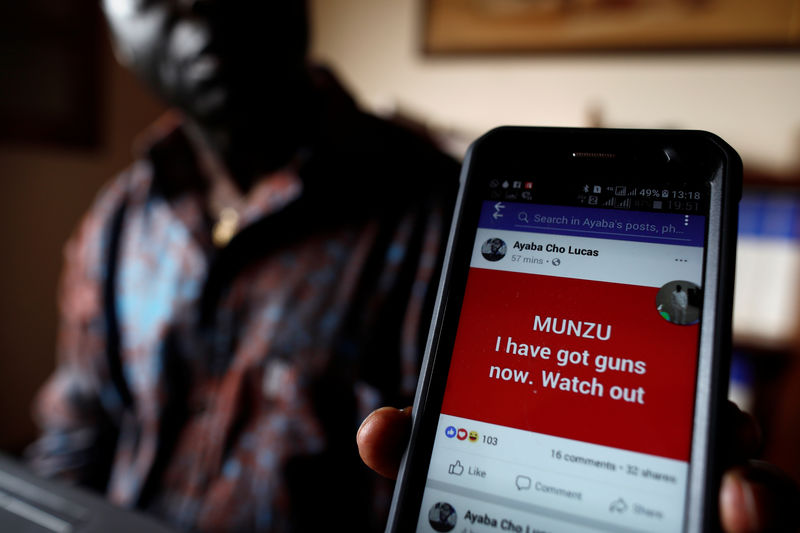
[640,226]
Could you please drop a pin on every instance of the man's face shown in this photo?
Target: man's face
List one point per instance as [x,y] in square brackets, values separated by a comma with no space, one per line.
[214,59]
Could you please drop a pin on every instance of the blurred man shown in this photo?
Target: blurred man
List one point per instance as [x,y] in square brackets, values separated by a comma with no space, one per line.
[257,281]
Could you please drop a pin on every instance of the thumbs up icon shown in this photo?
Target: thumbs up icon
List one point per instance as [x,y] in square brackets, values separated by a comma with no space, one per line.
[456,469]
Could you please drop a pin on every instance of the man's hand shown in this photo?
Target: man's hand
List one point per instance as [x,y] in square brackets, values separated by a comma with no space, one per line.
[755,496]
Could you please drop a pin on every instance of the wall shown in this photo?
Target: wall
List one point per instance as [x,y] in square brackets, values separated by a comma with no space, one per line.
[750,99]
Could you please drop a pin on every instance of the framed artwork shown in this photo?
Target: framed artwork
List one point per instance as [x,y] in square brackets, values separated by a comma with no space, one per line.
[459,26]
[50,56]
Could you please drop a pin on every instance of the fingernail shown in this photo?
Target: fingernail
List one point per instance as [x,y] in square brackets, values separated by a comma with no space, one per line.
[738,503]
[363,422]
[749,499]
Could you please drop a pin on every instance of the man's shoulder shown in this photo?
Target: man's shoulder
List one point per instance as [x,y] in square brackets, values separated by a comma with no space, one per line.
[407,144]
[133,181]
[358,145]
[97,224]
[380,162]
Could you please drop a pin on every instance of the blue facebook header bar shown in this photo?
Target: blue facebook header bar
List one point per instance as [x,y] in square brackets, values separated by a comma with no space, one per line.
[640,226]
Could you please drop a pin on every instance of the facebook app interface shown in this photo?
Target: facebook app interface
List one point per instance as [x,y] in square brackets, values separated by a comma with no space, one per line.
[571,387]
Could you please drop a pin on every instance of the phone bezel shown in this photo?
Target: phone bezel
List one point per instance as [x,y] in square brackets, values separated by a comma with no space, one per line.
[693,156]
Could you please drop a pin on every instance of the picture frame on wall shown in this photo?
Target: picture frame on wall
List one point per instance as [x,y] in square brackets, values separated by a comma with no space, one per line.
[50,54]
[491,26]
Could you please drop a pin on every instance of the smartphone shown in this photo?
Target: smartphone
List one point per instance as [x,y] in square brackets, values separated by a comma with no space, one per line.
[579,352]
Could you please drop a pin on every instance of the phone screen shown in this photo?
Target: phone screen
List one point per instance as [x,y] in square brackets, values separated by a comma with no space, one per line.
[570,392]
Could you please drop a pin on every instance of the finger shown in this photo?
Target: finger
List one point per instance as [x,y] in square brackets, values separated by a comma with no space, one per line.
[382,437]
[738,512]
[758,497]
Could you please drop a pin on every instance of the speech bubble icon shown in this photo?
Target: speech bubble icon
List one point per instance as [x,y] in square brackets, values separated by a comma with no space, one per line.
[523,482]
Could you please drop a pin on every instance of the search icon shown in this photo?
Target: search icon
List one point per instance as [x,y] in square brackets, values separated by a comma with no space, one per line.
[523,217]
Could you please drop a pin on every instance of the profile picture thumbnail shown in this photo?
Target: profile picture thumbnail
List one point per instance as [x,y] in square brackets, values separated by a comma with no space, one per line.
[679,302]
[494,249]
[442,516]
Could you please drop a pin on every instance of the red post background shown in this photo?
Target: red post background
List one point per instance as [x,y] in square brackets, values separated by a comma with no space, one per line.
[504,304]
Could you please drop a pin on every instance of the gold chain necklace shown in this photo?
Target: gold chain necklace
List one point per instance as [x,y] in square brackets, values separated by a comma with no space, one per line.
[225,227]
